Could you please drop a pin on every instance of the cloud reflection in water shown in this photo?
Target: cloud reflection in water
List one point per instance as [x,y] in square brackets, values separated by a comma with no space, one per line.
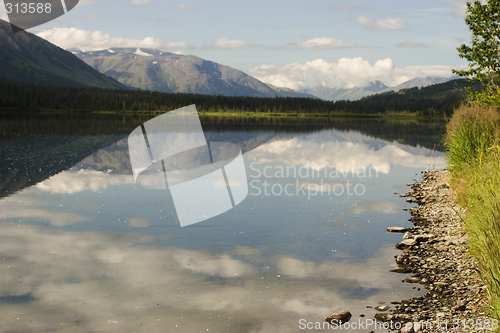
[108,281]
[321,151]
[86,281]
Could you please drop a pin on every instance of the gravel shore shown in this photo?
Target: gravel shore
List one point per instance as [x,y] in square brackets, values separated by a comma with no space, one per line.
[435,252]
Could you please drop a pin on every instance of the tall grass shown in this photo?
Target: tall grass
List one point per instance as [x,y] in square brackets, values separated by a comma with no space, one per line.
[470,133]
[483,224]
[474,161]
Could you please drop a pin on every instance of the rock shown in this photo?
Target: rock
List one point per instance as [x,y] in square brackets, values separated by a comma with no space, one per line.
[382,308]
[409,200]
[406,243]
[408,235]
[412,279]
[402,270]
[383,316]
[339,316]
[422,238]
[397,229]
[461,305]
[409,242]
[401,317]
[400,259]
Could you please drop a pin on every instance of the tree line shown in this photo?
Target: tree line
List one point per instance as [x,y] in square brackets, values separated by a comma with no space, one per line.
[18,96]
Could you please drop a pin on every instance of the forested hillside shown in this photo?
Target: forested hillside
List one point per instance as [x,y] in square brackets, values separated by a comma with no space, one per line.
[435,100]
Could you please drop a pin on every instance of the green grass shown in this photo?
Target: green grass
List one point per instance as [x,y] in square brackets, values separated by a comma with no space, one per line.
[395,115]
[286,114]
[483,224]
[474,161]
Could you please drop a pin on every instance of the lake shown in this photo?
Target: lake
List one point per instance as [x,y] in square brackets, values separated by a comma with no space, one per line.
[84,248]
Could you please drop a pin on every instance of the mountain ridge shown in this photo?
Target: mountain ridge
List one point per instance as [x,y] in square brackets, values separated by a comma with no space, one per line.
[336,94]
[155,70]
[375,87]
[29,58]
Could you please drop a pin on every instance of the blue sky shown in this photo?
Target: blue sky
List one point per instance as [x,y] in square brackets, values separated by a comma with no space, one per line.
[294,43]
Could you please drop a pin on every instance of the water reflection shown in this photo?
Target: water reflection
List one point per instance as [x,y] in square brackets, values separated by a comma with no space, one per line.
[85,281]
[384,207]
[89,250]
[74,181]
[347,152]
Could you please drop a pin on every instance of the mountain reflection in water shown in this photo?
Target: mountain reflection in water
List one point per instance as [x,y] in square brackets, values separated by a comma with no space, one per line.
[83,248]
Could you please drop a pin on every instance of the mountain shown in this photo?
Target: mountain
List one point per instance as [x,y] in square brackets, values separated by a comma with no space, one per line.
[420,83]
[376,87]
[155,70]
[338,94]
[287,92]
[28,58]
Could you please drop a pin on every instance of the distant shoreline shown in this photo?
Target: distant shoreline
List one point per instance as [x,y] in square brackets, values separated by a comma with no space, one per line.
[241,114]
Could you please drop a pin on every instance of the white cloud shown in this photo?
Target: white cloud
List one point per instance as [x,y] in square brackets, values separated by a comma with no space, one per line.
[346,73]
[68,38]
[383,24]
[412,44]
[140,3]
[460,7]
[83,180]
[333,271]
[142,53]
[190,8]
[225,43]
[347,156]
[320,43]
[137,222]
[204,263]
[14,208]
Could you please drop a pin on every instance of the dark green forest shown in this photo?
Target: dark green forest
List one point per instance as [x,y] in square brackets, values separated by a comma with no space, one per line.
[435,100]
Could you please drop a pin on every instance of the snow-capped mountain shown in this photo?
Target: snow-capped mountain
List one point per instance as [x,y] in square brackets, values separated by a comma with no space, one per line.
[376,87]
[155,70]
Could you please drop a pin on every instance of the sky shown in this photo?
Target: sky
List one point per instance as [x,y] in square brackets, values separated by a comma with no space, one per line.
[294,43]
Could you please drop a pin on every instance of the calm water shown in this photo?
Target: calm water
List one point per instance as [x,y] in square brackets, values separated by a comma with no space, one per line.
[85,249]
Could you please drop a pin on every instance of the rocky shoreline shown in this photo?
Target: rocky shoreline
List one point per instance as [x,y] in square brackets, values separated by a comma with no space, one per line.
[435,252]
